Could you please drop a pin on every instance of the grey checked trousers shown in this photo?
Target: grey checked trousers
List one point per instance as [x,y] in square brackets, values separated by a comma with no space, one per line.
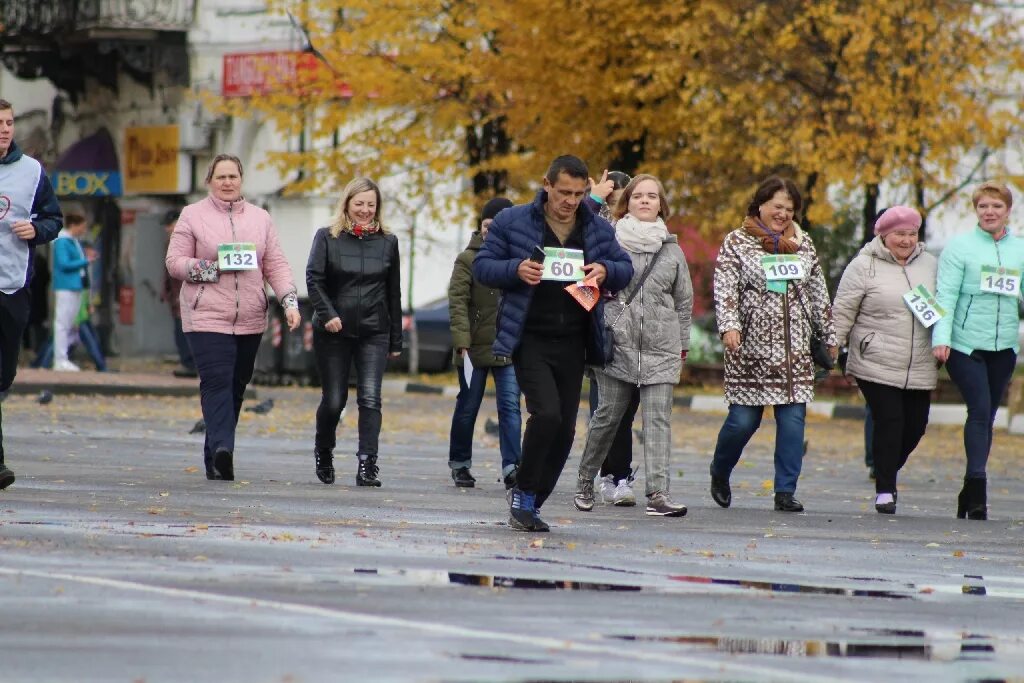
[656,408]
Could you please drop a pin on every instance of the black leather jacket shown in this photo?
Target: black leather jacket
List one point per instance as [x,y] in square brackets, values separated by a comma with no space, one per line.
[356,279]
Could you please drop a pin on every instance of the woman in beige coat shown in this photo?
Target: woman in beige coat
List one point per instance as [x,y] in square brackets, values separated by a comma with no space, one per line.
[883,311]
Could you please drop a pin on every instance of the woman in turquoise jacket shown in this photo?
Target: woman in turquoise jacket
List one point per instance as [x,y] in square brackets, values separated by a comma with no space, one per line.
[979,287]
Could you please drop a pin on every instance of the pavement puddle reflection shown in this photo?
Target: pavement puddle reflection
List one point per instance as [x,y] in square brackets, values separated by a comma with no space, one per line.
[775,587]
[863,643]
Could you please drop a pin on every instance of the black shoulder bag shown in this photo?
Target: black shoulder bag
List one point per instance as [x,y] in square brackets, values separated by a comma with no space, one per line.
[609,338]
[819,347]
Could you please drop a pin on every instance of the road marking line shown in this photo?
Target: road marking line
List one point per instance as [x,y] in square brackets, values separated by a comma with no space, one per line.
[721,666]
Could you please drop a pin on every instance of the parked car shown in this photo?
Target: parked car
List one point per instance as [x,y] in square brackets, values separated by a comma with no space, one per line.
[433,331]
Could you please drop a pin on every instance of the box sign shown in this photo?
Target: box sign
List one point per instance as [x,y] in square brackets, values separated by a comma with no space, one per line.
[151,160]
[86,183]
[261,73]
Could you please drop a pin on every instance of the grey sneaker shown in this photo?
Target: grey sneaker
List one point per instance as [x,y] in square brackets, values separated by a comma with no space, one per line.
[607,484]
[624,496]
[660,505]
[584,500]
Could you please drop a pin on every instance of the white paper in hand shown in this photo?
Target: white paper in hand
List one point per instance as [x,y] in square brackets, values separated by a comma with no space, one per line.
[467,367]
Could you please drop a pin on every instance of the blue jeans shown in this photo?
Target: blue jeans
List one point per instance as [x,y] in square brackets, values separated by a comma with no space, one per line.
[467,406]
[741,424]
[982,378]
[335,355]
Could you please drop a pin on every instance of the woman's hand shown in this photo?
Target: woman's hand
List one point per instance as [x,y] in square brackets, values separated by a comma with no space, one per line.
[731,339]
[941,353]
[293,318]
[333,325]
[834,352]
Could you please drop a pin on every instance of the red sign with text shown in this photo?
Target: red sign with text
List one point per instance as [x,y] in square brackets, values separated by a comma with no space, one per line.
[261,73]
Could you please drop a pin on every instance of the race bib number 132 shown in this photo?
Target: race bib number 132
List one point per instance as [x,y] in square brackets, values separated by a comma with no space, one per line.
[236,256]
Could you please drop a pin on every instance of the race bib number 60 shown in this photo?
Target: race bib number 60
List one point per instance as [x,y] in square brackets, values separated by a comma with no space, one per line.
[236,256]
[563,265]
[999,280]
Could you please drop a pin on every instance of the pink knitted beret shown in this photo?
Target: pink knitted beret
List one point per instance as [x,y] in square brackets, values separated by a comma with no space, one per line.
[897,218]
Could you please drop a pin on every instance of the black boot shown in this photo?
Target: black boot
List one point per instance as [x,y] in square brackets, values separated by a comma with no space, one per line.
[366,474]
[223,465]
[324,460]
[972,502]
[785,502]
[6,476]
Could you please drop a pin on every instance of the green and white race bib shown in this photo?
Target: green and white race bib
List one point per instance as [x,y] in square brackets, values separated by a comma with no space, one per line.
[236,256]
[924,306]
[780,268]
[563,265]
[999,280]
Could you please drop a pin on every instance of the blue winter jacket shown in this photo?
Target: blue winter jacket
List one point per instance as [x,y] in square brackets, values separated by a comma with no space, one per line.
[68,263]
[510,241]
[977,320]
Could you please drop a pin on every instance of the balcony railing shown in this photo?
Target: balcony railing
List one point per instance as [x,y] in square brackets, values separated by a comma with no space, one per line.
[48,18]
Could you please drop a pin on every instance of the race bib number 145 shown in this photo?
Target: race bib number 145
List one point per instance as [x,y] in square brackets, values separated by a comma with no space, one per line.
[999,280]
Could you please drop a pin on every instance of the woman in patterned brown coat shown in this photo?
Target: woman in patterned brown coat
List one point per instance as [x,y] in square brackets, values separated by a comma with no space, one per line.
[769,288]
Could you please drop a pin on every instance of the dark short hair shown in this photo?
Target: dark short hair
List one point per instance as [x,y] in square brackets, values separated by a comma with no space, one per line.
[568,164]
[5,105]
[223,157]
[619,179]
[767,189]
[73,219]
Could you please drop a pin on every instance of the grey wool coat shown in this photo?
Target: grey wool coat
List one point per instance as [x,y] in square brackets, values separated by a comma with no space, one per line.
[887,343]
[653,331]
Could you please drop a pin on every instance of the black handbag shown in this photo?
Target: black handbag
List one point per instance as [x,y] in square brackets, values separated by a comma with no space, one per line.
[608,349]
[819,347]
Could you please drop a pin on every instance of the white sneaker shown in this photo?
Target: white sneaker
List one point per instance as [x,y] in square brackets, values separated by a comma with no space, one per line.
[65,366]
[607,484]
[623,496]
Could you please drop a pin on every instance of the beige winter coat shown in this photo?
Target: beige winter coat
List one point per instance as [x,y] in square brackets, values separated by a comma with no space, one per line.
[888,345]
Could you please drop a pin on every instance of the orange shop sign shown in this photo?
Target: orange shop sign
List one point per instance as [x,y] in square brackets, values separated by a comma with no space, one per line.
[151,160]
[260,73]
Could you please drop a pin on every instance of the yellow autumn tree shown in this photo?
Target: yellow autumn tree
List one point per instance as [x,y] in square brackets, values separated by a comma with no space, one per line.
[711,95]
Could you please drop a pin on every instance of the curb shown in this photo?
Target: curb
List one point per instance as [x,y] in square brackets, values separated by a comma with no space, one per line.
[940,414]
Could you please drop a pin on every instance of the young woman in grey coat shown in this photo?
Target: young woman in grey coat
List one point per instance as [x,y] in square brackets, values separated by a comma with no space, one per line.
[651,339]
[890,340]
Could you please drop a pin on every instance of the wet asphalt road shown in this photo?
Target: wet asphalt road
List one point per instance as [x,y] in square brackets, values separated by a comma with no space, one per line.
[120,562]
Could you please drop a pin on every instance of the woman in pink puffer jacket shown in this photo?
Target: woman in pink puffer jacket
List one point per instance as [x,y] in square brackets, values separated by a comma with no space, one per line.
[224,300]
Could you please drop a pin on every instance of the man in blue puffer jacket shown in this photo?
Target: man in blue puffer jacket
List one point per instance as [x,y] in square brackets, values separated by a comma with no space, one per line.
[548,335]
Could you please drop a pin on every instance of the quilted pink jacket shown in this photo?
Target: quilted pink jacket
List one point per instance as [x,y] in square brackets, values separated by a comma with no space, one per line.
[237,302]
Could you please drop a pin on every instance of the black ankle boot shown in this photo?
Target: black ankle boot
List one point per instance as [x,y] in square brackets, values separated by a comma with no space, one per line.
[223,465]
[976,503]
[6,476]
[324,465]
[366,474]
[785,502]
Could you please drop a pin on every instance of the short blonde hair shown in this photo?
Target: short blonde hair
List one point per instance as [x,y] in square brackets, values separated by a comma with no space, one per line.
[992,189]
[621,207]
[223,157]
[355,186]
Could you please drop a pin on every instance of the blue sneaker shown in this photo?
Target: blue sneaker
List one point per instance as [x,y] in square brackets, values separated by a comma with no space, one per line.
[522,513]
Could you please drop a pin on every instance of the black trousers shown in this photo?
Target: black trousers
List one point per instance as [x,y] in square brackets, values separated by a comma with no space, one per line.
[550,374]
[14,312]
[900,418]
[225,363]
[335,355]
[619,461]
